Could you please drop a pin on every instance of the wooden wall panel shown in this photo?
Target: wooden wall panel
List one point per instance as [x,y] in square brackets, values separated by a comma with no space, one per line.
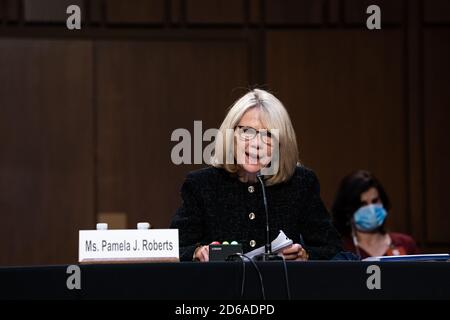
[294,12]
[343,90]
[215,11]
[95,11]
[48,10]
[176,7]
[145,91]
[437,133]
[437,11]
[334,11]
[391,11]
[255,11]
[135,11]
[413,96]
[9,10]
[46,164]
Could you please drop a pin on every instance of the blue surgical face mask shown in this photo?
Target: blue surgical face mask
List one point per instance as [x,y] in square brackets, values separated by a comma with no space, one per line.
[370,217]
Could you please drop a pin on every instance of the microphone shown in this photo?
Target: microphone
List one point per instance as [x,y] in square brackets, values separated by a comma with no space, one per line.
[267,255]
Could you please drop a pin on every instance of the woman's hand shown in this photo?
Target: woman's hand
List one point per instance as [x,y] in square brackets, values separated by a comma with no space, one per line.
[295,252]
[202,254]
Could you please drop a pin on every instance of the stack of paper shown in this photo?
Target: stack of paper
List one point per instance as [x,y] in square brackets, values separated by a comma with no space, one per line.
[281,242]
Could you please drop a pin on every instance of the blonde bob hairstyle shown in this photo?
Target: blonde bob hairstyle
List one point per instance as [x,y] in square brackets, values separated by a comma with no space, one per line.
[273,116]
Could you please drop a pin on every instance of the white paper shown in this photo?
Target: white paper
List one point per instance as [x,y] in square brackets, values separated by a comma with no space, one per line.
[412,257]
[280,242]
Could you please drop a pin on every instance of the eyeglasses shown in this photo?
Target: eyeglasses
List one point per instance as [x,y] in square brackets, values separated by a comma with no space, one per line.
[249,133]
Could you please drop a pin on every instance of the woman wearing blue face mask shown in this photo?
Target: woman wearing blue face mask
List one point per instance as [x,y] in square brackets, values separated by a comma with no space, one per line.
[359,212]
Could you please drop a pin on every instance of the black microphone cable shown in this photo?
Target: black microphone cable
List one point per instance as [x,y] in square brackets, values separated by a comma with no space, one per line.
[286,278]
[231,258]
[259,275]
[285,271]
[240,255]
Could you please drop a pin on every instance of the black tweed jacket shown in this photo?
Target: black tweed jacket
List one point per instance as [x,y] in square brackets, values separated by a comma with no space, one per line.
[218,207]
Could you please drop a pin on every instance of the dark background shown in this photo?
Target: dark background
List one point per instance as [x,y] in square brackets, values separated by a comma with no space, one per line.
[86,116]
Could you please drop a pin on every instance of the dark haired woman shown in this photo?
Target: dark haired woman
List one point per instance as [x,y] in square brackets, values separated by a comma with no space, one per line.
[359,212]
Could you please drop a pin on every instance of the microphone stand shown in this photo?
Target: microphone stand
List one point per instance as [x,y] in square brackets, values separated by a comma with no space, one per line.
[268,255]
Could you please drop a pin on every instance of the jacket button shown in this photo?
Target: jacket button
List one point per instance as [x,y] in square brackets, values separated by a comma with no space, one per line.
[251,216]
[251,189]
[252,243]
